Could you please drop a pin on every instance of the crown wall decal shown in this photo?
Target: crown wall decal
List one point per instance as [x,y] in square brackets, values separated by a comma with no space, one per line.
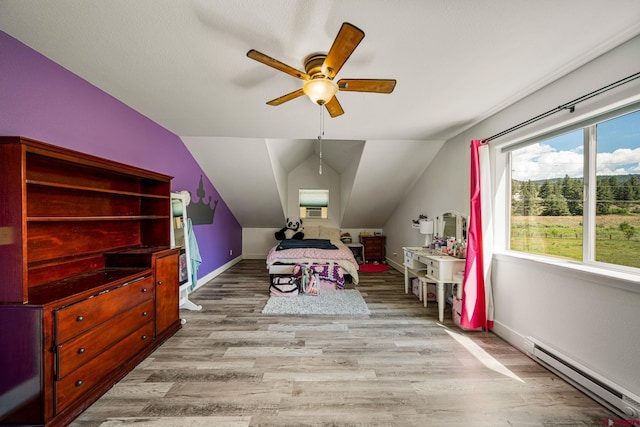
[200,211]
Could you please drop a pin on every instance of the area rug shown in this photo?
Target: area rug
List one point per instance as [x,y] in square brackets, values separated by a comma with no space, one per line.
[373,268]
[328,302]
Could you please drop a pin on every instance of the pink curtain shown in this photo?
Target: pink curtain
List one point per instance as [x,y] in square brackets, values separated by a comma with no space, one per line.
[477,304]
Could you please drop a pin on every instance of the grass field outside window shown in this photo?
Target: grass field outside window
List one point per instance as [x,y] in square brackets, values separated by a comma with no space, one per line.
[550,202]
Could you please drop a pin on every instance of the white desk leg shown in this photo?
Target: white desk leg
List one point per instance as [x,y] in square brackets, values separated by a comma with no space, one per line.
[457,280]
[406,279]
[441,302]
[424,286]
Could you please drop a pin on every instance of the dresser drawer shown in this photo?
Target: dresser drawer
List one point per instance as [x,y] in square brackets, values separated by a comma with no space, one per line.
[84,315]
[80,381]
[411,261]
[81,349]
[374,244]
[433,272]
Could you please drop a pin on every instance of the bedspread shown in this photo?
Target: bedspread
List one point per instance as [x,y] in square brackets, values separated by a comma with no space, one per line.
[342,256]
[330,272]
[305,243]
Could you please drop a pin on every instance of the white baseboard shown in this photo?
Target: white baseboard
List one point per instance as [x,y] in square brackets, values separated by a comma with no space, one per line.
[509,335]
[215,273]
[396,265]
[254,256]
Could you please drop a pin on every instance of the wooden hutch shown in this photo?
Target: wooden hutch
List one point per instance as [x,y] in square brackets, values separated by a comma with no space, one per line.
[88,281]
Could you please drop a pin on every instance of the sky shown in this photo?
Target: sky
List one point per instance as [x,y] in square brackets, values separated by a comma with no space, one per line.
[618,152]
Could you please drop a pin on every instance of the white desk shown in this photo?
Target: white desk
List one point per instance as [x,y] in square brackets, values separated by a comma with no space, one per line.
[438,269]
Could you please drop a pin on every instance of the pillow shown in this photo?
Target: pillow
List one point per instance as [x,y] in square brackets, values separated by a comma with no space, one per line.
[311,232]
[329,233]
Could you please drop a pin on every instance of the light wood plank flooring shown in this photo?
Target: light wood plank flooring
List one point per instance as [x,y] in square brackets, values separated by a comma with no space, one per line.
[230,365]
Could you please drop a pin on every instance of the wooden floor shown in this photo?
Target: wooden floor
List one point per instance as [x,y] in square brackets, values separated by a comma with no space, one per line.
[232,366]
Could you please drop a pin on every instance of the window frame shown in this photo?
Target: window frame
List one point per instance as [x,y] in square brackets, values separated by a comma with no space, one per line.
[313,199]
[589,127]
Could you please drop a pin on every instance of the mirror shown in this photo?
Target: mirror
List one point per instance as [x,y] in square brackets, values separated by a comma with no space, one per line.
[452,224]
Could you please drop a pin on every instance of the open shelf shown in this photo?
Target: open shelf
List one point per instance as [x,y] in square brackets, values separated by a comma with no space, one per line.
[94,189]
[97,218]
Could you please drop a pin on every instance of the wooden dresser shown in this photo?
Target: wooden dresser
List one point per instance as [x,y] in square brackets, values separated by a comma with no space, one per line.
[89,283]
[373,247]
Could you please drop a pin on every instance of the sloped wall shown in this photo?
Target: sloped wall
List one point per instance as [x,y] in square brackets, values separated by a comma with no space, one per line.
[41,100]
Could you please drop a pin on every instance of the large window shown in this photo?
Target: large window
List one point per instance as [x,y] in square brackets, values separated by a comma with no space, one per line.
[577,195]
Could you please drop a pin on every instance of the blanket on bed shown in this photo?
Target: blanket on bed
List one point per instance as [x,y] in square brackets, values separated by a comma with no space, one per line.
[343,257]
[305,243]
[330,271]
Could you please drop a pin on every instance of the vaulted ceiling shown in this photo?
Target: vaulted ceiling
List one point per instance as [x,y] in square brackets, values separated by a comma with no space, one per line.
[183,64]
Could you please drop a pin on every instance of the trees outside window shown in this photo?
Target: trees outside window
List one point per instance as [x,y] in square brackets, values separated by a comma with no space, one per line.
[549,200]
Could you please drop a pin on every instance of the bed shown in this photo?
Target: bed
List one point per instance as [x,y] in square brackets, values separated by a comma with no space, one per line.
[283,257]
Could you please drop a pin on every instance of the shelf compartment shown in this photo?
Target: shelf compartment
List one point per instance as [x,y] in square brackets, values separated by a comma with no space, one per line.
[86,284]
[56,239]
[46,170]
[96,218]
[50,185]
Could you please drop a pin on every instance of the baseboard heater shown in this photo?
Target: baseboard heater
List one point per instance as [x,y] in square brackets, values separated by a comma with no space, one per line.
[610,395]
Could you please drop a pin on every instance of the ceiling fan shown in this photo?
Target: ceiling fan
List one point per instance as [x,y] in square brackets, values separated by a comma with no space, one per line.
[321,69]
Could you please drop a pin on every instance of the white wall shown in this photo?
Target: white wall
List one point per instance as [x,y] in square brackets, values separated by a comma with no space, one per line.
[306,175]
[256,242]
[443,187]
[590,317]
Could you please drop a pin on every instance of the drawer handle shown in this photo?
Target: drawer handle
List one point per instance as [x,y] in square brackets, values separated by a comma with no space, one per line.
[81,350]
[144,337]
[79,318]
[144,290]
[79,383]
[144,313]
[159,282]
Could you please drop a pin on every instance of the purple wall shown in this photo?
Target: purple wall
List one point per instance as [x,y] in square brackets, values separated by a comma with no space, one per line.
[41,100]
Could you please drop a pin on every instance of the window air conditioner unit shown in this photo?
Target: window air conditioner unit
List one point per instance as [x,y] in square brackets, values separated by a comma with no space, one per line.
[313,212]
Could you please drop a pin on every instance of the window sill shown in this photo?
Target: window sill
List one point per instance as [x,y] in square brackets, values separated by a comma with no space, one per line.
[603,276]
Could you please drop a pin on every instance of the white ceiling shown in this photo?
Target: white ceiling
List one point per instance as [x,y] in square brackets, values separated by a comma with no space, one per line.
[183,64]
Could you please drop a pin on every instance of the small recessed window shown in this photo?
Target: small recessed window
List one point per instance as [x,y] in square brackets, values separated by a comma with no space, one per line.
[314,203]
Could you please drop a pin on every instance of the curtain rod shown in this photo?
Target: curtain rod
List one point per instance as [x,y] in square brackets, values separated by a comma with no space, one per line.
[571,106]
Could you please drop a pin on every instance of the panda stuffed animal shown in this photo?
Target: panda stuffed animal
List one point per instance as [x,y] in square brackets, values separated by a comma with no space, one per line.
[293,230]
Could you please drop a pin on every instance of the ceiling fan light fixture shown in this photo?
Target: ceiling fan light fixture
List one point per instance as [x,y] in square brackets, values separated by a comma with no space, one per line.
[321,90]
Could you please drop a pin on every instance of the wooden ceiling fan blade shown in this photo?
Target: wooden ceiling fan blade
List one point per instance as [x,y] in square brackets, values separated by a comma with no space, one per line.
[348,38]
[274,63]
[367,85]
[334,108]
[287,97]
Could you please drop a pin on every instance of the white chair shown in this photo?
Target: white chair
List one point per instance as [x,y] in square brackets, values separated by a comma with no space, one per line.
[440,290]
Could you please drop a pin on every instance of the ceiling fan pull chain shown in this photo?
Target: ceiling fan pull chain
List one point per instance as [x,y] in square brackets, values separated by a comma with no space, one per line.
[320,136]
[320,171]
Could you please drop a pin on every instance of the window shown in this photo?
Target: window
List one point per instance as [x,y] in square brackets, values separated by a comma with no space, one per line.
[313,203]
[554,209]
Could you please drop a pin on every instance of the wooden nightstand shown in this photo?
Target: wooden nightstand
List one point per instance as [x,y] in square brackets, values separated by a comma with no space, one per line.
[358,252]
[373,247]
